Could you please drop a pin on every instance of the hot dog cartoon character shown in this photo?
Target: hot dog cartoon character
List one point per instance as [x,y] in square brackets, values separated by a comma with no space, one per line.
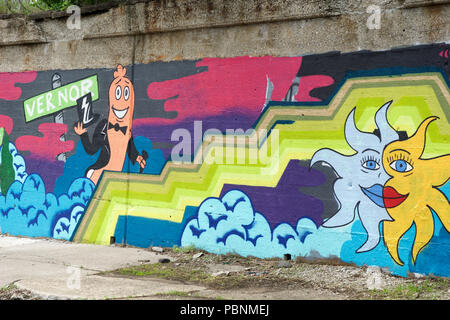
[113,135]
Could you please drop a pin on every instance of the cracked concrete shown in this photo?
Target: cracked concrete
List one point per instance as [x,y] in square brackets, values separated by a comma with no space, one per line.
[50,270]
[58,270]
[53,269]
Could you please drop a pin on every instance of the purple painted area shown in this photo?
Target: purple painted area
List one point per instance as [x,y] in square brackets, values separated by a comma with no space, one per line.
[160,135]
[285,203]
[49,171]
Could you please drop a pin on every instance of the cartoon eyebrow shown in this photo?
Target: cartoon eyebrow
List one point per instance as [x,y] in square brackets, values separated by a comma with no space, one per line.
[126,81]
[370,150]
[399,150]
[117,81]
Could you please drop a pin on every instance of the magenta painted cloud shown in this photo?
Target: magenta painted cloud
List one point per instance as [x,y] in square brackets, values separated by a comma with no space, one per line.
[308,83]
[49,145]
[232,84]
[8,80]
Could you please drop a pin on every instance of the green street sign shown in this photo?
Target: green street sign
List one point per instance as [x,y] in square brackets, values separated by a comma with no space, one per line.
[60,98]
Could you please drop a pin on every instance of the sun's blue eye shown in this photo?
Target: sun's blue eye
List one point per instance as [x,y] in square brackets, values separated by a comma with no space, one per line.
[401,166]
[371,165]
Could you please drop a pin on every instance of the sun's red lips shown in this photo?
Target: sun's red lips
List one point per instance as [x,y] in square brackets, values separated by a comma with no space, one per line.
[392,198]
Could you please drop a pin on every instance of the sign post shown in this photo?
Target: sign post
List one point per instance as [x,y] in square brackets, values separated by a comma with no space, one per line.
[59,117]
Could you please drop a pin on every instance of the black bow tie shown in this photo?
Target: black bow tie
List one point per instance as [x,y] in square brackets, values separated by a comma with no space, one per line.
[117,127]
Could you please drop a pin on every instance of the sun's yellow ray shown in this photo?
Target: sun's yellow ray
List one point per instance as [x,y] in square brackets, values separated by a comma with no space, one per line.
[393,231]
[418,180]
[439,203]
[437,170]
[424,230]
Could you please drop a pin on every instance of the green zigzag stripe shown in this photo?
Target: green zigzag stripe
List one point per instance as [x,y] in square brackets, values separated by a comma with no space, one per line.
[189,186]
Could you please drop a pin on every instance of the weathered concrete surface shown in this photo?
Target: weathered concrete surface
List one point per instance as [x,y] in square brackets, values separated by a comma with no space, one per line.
[41,266]
[102,288]
[44,267]
[169,30]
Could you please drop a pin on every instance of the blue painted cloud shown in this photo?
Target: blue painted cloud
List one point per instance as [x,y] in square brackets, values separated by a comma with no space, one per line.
[230,224]
[65,226]
[28,210]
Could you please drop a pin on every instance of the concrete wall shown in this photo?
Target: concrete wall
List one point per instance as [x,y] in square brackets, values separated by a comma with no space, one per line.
[260,128]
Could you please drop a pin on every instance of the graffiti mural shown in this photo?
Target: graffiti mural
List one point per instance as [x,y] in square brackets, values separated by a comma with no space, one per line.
[112,136]
[321,156]
[364,170]
[412,193]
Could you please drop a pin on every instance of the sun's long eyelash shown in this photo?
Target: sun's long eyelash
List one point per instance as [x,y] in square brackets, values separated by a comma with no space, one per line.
[369,157]
[400,156]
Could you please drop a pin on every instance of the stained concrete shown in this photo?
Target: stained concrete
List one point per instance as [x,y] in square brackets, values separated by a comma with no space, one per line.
[45,267]
[49,268]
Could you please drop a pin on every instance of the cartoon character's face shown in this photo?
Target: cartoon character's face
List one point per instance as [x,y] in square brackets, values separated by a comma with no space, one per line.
[402,159]
[400,163]
[362,176]
[373,175]
[121,100]
[411,191]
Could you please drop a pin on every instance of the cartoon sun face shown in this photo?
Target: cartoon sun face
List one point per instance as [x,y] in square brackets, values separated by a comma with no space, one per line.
[412,191]
[359,188]
[121,98]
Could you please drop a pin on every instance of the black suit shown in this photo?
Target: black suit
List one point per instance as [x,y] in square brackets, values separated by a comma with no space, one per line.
[100,142]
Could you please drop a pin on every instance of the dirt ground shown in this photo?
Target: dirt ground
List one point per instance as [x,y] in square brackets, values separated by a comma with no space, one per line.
[236,277]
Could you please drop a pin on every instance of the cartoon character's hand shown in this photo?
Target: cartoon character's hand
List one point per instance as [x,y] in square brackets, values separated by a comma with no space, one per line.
[79,130]
[141,161]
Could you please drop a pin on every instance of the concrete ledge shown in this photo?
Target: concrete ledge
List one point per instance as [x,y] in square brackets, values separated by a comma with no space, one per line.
[143,17]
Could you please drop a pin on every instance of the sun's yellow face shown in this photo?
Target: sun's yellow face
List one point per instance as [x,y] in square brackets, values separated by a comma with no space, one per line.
[412,191]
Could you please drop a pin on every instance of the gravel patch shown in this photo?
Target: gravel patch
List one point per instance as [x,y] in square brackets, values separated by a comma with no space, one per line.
[11,292]
[328,277]
[235,277]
